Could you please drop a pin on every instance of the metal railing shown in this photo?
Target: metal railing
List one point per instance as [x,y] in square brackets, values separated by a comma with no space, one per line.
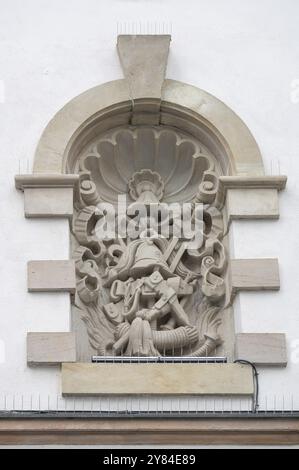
[40,405]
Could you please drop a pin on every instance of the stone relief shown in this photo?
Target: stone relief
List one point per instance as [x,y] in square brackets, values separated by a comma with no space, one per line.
[149,295]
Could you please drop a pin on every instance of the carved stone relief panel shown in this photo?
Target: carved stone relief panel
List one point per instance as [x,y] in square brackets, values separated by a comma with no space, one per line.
[119,157]
[147,294]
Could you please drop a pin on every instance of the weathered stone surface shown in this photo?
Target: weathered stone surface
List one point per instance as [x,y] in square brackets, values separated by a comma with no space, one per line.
[48,202]
[49,155]
[48,195]
[255,274]
[144,61]
[252,204]
[268,349]
[49,275]
[245,156]
[169,379]
[50,348]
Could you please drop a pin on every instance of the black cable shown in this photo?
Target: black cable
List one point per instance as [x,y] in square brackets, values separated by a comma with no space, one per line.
[255,403]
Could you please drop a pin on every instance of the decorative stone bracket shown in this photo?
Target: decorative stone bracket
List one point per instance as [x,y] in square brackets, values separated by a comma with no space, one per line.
[48,195]
[252,197]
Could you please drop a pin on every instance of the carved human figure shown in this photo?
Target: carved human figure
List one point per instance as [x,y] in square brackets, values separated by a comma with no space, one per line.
[145,298]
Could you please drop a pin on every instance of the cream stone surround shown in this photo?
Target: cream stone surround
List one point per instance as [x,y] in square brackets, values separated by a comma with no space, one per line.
[166,379]
[181,106]
[110,104]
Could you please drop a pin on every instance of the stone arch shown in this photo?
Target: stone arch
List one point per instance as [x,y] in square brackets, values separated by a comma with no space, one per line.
[182,106]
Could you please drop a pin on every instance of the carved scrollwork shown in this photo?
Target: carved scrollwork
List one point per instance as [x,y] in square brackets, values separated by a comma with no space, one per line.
[88,283]
[208,188]
[88,191]
[212,267]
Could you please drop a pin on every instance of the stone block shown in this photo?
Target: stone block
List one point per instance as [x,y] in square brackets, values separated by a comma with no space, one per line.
[252,204]
[50,348]
[263,349]
[144,61]
[48,202]
[51,275]
[255,274]
[156,379]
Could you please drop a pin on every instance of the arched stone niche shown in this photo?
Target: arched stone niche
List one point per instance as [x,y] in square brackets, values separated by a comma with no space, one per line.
[178,144]
[183,106]
[156,166]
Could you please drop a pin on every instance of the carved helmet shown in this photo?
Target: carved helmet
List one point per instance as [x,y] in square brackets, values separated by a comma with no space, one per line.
[148,258]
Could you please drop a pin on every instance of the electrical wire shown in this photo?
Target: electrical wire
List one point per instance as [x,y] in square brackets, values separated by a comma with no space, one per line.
[255,399]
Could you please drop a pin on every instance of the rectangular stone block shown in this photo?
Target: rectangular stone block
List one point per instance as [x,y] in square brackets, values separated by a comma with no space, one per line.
[264,349]
[156,379]
[255,274]
[51,275]
[48,202]
[144,60]
[50,348]
[255,203]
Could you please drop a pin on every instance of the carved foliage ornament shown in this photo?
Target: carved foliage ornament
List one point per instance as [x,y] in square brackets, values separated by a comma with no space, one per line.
[149,295]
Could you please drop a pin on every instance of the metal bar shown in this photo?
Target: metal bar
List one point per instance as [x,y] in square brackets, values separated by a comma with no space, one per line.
[158,359]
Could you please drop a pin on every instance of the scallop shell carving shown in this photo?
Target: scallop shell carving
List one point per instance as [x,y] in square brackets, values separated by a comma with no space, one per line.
[111,161]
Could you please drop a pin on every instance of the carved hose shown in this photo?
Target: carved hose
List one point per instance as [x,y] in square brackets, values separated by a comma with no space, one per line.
[163,340]
[177,338]
[208,346]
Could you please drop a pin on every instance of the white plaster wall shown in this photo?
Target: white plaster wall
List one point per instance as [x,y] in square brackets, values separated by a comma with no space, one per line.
[244,52]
